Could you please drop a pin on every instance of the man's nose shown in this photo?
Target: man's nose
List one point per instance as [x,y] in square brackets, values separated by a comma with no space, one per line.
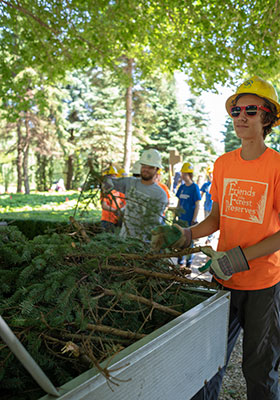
[242,114]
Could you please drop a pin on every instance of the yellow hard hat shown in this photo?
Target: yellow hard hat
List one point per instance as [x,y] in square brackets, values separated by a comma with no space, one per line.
[259,87]
[209,169]
[110,171]
[187,167]
[159,171]
[121,173]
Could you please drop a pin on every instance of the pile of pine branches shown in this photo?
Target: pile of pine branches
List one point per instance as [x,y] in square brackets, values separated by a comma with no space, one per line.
[74,300]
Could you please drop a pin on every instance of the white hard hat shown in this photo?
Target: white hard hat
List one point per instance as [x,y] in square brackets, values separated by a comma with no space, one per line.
[136,168]
[151,157]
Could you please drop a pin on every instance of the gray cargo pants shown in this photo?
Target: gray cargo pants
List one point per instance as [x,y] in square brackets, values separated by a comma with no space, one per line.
[257,312]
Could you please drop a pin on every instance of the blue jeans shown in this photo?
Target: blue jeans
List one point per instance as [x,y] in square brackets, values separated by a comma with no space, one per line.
[189,258]
[206,213]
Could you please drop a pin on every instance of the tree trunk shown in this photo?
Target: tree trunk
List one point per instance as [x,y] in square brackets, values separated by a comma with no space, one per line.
[128,122]
[19,160]
[44,173]
[25,156]
[70,172]
[70,165]
[41,173]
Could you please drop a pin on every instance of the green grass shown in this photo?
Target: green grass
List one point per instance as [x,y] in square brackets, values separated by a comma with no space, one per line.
[47,206]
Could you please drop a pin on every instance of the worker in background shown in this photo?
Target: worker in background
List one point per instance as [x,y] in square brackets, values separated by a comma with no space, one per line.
[112,204]
[59,186]
[121,173]
[145,200]
[164,187]
[246,209]
[136,169]
[158,177]
[177,180]
[188,204]
[205,189]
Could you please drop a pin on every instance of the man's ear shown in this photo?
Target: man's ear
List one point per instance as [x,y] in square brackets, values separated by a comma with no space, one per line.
[267,124]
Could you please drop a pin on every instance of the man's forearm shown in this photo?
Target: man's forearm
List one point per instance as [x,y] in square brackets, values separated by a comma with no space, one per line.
[267,246]
[205,228]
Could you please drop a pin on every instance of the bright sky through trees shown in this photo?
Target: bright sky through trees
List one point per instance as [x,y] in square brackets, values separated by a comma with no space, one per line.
[214,106]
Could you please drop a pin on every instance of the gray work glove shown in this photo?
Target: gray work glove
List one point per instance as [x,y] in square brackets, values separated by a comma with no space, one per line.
[224,263]
[174,237]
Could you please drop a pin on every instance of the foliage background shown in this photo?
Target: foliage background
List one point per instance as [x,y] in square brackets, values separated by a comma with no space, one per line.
[94,80]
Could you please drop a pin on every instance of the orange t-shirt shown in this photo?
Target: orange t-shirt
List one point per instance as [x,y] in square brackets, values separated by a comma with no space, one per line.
[165,188]
[118,198]
[248,193]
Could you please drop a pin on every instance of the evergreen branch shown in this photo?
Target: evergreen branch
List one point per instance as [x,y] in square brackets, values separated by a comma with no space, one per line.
[55,340]
[94,299]
[148,256]
[114,331]
[151,256]
[160,275]
[80,229]
[105,371]
[143,300]
[78,336]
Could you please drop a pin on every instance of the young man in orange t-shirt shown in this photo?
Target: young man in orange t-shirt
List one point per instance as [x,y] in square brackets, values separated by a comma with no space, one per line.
[246,209]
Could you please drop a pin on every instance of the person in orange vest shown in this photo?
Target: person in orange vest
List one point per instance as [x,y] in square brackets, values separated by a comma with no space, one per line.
[163,186]
[112,205]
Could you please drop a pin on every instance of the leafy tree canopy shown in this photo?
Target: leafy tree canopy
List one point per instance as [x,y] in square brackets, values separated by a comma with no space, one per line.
[211,41]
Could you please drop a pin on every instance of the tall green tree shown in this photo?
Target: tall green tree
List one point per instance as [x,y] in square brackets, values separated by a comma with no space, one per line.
[26,115]
[211,41]
[231,141]
[169,126]
[94,111]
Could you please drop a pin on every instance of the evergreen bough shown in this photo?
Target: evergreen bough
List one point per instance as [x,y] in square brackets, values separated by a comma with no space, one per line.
[74,303]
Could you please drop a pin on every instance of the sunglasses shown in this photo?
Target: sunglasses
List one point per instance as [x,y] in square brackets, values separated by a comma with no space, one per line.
[250,110]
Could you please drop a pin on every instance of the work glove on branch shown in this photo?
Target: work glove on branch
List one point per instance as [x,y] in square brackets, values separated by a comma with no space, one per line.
[174,237]
[224,263]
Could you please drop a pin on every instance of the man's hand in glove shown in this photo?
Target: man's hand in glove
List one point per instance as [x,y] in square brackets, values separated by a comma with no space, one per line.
[225,263]
[166,236]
